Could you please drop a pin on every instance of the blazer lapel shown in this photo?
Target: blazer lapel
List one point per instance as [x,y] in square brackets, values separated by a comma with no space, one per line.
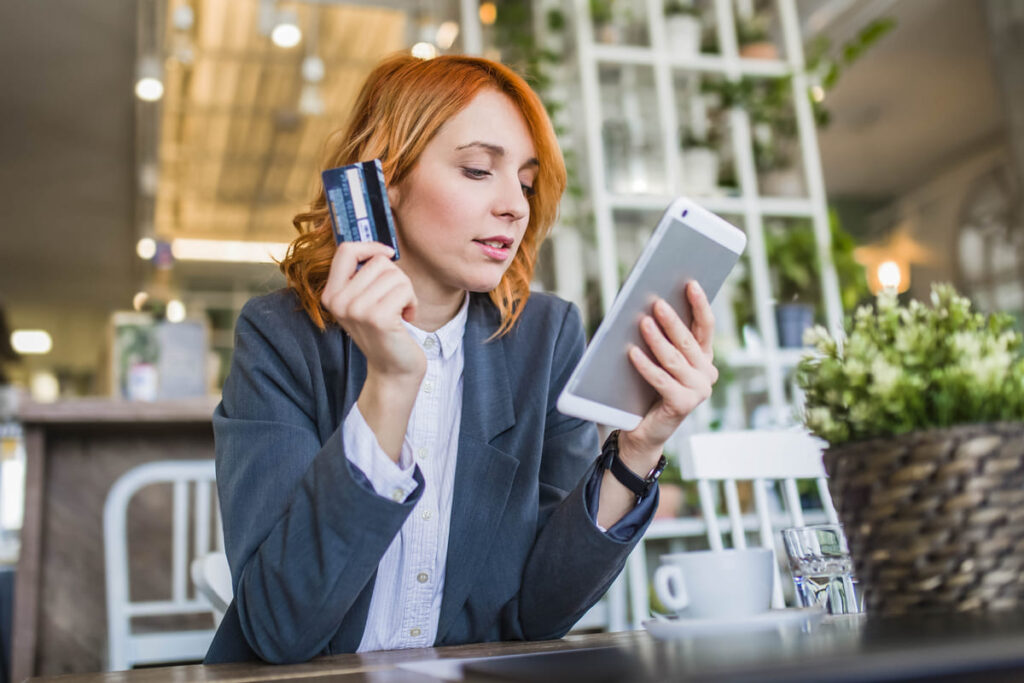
[483,473]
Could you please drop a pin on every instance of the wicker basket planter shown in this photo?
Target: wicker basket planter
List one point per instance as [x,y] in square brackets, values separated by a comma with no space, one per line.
[935,519]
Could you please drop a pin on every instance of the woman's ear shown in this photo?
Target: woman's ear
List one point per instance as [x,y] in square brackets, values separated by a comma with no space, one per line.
[394,196]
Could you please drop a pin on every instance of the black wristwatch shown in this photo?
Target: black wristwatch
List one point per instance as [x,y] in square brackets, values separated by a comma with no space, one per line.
[610,460]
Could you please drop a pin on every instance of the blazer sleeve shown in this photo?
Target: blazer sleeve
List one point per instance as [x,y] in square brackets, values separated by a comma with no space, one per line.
[303,531]
[572,562]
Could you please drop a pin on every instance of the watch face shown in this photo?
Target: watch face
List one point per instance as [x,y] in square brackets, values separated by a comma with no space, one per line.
[658,469]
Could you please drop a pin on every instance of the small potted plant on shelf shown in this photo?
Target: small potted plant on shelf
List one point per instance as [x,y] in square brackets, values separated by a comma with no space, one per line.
[754,38]
[699,157]
[922,408]
[792,254]
[682,28]
[602,15]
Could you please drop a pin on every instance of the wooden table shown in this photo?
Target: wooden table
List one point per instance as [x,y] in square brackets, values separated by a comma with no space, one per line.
[76,449]
[846,649]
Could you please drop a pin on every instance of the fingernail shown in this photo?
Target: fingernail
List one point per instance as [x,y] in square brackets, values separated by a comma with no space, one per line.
[649,323]
[661,306]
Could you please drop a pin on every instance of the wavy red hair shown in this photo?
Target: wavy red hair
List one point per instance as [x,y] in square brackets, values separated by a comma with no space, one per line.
[401,106]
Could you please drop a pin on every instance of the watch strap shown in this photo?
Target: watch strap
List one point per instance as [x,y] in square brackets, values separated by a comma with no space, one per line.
[640,486]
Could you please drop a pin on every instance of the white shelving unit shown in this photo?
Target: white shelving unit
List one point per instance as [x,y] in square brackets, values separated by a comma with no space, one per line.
[748,208]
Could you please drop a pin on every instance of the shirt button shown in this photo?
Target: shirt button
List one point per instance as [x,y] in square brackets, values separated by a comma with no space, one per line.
[398,495]
[429,343]
[423,577]
[426,515]
[428,387]
[421,452]
[415,632]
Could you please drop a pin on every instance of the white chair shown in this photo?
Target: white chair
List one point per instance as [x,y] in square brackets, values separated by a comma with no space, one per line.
[765,458]
[127,648]
[212,578]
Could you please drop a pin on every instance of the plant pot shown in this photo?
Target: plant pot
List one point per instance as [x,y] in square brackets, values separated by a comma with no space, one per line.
[935,518]
[759,50]
[700,171]
[608,33]
[783,182]
[792,321]
[682,35]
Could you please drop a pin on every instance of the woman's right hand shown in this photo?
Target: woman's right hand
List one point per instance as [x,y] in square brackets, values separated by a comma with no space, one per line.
[369,303]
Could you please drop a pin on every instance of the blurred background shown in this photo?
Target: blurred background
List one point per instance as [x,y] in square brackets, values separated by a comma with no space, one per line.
[154,152]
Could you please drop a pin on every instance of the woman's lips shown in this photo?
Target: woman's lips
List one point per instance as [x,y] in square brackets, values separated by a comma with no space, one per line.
[492,249]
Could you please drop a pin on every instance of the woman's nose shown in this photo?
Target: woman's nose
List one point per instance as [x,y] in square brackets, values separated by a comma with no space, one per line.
[512,203]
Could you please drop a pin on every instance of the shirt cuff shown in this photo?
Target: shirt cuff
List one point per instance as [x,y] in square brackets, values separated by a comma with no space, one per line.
[386,477]
[634,520]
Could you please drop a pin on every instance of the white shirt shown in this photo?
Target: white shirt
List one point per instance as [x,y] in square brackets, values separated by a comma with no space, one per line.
[406,602]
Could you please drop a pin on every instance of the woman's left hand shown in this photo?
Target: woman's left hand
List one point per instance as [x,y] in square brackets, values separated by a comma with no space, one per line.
[681,372]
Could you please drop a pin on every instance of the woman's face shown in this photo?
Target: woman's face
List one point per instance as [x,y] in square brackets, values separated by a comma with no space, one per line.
[462,210]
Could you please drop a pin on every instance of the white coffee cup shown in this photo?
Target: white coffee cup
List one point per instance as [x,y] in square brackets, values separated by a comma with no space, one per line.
[716,583]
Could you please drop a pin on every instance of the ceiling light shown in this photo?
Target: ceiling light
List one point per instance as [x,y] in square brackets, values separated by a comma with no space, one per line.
[149,86]
[424,51]
[31,341]
[44,387]
[286,32]
[175,311]
[139,300]
[488,13]
[186,249]
[310,102]
[447,32]
[146,248]
[183,17]
[312,69]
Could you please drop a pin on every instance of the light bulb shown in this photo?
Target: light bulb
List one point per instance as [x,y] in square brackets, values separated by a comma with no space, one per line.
[286,32]
[146,248]
[149,85]
[175,311]
[31,341]
[424,51]
[889,275]
[447,32]
[312,69]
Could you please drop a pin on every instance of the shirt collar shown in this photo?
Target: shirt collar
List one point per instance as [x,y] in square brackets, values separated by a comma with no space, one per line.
[449,336]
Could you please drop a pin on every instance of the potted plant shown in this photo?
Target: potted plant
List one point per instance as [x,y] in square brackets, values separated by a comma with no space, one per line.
[700,164]
[754,39]
[602,14]
[922,409]
[792,254]
[682,28]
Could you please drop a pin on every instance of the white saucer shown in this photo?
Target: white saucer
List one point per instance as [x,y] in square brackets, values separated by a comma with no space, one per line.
[687,626]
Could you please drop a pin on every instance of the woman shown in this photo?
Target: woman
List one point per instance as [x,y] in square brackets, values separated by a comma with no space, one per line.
[391,466]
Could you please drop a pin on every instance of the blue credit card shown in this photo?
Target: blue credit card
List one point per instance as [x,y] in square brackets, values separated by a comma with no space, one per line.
[358,200]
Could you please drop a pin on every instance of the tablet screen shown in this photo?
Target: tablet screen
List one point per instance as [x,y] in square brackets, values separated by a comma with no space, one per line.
[677,254]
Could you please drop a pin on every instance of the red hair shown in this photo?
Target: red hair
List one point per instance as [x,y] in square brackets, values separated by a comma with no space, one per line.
[401,107]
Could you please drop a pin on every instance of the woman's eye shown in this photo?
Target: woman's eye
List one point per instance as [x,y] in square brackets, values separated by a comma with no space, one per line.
[475,172]
[528,190]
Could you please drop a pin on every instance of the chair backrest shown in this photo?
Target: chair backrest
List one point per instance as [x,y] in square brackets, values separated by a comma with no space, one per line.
[125,647]
[763,458]
[212,577]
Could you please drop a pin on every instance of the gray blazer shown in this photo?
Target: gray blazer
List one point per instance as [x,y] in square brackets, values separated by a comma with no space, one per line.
[305,532]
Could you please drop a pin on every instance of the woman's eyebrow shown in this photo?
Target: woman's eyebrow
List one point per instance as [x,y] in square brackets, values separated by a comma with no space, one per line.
[495,150]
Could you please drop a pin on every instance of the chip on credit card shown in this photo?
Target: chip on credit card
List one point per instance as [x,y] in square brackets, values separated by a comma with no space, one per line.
[358,200]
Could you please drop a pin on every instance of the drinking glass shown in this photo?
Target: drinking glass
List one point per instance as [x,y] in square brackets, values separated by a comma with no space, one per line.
[819,560]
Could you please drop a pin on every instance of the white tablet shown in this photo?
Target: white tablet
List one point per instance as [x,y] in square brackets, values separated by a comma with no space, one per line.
[690,243]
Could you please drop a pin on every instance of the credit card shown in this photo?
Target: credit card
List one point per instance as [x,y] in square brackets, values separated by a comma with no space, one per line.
[358,199]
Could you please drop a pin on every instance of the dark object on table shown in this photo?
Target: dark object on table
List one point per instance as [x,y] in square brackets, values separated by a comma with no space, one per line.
[609,664]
